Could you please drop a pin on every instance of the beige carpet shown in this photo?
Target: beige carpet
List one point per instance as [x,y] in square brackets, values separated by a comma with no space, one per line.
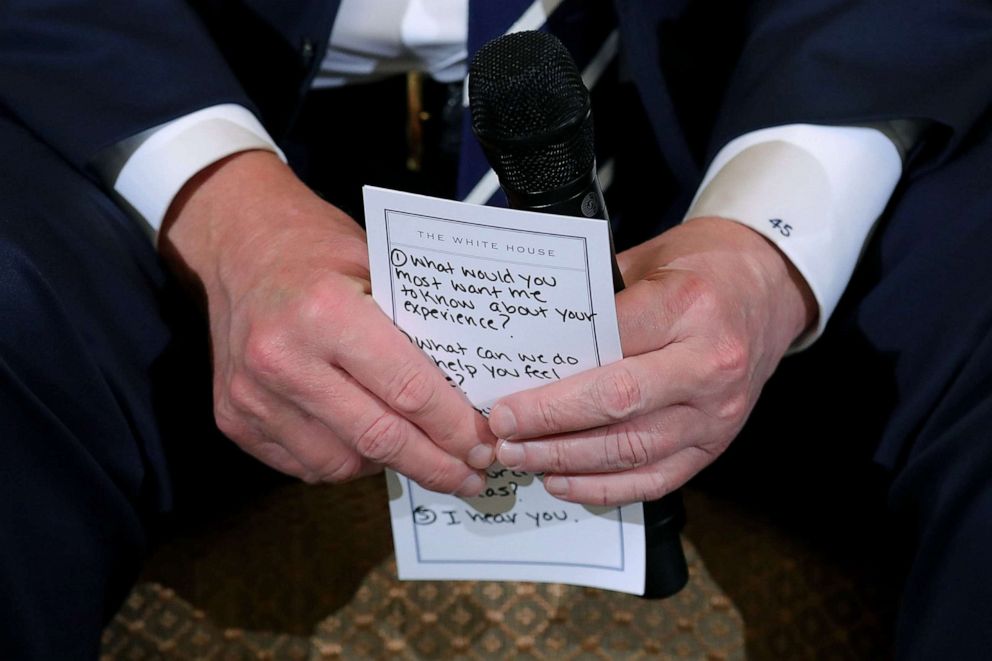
[307,573]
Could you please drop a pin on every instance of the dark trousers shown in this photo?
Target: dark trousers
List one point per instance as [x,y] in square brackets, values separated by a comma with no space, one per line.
[923,306]
[106,417]
[82,455]
[902,381]
[105,399]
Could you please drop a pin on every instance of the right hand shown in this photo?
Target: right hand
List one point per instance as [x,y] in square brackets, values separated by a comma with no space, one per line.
[710,309]
[310,376]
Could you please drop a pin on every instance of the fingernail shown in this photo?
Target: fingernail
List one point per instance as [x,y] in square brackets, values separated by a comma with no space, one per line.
[472,486]
[510,454]
[502,422]
[481,456]
[556,485]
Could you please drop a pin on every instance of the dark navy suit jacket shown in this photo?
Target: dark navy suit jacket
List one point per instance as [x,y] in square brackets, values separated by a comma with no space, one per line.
[85,74]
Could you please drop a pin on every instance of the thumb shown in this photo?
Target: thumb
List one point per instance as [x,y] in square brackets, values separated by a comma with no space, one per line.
[650,311]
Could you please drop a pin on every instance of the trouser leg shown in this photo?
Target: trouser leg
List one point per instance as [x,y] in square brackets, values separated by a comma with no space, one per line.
[81,454]
[938,443]
[902,379]
[906,370]
[944,491]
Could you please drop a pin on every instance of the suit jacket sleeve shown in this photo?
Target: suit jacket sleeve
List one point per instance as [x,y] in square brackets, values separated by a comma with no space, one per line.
[85,74]
[849,62]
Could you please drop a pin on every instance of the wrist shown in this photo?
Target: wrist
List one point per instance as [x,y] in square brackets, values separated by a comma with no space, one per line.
[242,213]
[789,301]
[740,257]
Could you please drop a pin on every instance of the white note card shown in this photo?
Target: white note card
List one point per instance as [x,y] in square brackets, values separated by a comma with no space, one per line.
[501,301]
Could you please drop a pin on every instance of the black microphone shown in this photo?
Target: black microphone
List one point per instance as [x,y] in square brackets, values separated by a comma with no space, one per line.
[532,115]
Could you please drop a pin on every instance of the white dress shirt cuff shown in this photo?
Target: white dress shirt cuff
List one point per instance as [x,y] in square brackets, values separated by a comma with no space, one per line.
[814,191]
[172,153]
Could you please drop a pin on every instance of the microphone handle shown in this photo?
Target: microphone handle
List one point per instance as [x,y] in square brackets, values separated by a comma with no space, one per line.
[666,571]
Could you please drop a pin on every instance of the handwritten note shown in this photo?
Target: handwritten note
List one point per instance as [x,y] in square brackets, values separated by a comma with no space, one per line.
[501,301]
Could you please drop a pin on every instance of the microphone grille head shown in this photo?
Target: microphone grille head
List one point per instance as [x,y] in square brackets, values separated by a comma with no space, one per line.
[531,112]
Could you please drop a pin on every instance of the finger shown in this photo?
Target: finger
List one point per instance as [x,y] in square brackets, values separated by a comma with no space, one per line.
[606,395]
[271,453]
[374,431]
[324,456]
[610,449]
[275,430]
[275,454]
[367,427]
[639,485]
[272,427]
[386,363]
[239,407]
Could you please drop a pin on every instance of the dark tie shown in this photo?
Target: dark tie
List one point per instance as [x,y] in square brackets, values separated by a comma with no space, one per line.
[588,30]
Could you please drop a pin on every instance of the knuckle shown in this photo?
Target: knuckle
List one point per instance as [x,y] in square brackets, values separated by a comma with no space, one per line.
[329,305]
[272,454]
[227,420]
[734,408]
[412,391]
[626,448]
[240,393]
[341,469]
[318,303]
[557,458]
[727,363]
[693,292]
[548,414]
[264,350]
[321,305]
[619,395]
[438,479]
[604,496]
[382,440]
[653,486]
[732,357]
[310,477]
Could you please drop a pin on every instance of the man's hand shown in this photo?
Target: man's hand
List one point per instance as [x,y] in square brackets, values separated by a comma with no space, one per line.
[709,310]
[309,375]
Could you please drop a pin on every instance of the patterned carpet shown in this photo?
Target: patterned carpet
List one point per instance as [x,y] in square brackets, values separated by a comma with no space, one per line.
[820,589]
[307,573]
[304,572]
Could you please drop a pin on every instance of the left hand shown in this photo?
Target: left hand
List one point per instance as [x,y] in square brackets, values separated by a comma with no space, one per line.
[710,309]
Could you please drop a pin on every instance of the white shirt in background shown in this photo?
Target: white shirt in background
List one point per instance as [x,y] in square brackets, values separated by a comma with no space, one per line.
[814,191]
